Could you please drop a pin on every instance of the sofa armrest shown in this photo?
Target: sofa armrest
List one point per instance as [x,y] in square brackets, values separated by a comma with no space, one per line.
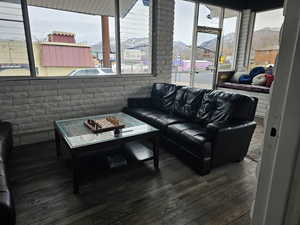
[7,131]
[229,126]
[231,141]
[139,102]
[7,208]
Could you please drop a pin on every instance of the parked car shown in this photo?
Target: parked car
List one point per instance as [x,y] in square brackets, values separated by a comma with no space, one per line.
[91,72]
[210,68]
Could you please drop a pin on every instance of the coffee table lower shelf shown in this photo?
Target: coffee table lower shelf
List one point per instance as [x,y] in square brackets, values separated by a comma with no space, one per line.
[139,151]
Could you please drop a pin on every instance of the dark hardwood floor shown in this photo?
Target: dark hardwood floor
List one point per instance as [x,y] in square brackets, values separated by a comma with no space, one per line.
[134,194]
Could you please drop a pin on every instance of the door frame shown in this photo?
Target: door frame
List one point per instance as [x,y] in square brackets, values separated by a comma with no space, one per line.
[210,30]
[275,203]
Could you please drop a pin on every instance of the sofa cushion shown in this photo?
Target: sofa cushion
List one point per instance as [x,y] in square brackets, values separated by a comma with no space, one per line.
[190,135]
[163,96]
[219,106]
[188,101]
[162,121]
[154,117]
[140,113]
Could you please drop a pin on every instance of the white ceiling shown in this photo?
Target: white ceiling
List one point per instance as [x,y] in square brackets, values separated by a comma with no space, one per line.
[94,7]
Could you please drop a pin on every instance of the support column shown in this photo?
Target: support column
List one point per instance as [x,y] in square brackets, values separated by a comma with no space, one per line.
[105,41]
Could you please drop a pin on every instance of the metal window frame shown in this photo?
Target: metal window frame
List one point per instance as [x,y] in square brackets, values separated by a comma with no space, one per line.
[30,52]
[219,32]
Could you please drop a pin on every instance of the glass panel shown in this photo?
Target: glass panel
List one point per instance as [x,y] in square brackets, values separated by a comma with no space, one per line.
[205,60]
[77,135]
[69,43]
[13,53]
[135,26]
[182,42]
[209,16]
[229,40]
[265,41]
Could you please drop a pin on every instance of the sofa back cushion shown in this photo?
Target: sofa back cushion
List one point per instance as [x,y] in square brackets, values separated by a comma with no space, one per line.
[219,106]
[188,101]
[163,96]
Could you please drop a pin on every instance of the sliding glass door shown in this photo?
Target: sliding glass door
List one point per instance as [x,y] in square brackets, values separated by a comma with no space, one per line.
[205,59]
[202,42]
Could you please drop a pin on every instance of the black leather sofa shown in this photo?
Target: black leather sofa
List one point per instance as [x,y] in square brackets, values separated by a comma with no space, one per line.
[7,209]
[205,128]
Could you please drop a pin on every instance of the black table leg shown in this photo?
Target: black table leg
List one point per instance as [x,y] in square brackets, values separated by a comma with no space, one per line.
[156,153]
[57,143]
[75,174]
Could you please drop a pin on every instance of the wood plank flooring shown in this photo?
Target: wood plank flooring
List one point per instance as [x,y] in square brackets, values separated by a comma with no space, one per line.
[135,194]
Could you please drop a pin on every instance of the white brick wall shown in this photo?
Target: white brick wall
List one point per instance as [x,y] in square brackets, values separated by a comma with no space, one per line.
[263,100]
[33,104]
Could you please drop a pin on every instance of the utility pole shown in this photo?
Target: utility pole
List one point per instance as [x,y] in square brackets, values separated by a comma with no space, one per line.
[105,41]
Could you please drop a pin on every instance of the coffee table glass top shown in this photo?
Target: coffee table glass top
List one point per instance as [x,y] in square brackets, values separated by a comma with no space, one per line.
[77,134]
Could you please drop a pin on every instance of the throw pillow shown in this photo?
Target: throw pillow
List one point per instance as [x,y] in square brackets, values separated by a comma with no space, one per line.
[245,79]
[236,77]
[259,80]
[257,70]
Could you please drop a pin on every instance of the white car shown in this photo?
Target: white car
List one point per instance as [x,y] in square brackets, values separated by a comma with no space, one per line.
[91,72]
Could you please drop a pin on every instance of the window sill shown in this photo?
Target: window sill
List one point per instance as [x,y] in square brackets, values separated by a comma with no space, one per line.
[26,78]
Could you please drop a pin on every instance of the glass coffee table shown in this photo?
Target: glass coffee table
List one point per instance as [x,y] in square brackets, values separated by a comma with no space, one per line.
[78,139]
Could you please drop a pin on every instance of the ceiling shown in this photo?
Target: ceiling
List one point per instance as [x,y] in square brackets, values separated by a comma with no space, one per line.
[106,7]
[94,7]
[255,5]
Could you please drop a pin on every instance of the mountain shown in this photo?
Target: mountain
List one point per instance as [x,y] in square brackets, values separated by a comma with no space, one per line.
[263,38]
[131,43]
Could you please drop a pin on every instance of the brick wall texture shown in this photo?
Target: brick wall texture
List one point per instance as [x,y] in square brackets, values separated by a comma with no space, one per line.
[32,105]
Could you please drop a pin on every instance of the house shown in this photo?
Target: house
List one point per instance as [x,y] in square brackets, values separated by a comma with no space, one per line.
[266,56]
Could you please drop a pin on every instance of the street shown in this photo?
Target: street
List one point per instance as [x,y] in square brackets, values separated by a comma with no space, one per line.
[203,79]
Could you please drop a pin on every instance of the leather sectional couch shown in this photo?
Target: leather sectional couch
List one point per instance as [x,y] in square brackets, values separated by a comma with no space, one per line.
[205,128]
[7,210]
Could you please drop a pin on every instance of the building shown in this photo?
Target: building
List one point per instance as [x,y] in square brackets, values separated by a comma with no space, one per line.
[266,56]
[58,56]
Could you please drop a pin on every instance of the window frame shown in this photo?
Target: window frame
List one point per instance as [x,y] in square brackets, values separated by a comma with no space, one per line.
[30,53]
[253,20]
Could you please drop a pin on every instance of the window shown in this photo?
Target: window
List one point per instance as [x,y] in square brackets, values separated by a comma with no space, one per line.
[229,40]
[135,37]
[65,41]
[209,16]
[265,40]
[195,63]
[182,43]
[13,52]
[69,39]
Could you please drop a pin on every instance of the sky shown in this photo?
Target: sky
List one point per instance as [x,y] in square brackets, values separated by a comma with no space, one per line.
[87,28]
[184,17]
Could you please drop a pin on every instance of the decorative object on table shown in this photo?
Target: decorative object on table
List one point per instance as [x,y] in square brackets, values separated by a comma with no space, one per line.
[106,124]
